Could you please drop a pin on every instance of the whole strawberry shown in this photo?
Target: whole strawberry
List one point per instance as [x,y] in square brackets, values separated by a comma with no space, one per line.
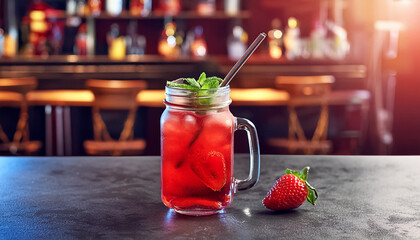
[290,191]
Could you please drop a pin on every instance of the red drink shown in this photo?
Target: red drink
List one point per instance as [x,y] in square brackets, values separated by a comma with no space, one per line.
[197,160]
[197,132]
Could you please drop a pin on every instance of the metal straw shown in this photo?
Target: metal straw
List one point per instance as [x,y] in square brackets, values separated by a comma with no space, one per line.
[243,59]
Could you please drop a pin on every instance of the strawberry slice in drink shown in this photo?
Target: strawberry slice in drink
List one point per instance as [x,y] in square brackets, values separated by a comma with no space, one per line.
[211,169]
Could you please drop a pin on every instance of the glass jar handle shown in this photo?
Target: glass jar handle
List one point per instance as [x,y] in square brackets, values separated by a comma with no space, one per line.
[254,152]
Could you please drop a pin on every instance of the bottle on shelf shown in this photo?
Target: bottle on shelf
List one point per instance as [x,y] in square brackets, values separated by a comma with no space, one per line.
[83,8]
[71,7]
[186,45]
[339,45]
[80,47]
[168,45]
[236,44]
[171,7]
[1,41]
[232,7]
[116,43]
[318,40]
[39,27]
[206,7]
[10,45]
[56,37]
[114,7]
[140,7]
[199,45]
[275,39]
[95,7]
[292,41]
[136,44]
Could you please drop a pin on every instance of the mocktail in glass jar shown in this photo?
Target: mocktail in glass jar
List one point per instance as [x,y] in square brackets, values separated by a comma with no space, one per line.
[197,137]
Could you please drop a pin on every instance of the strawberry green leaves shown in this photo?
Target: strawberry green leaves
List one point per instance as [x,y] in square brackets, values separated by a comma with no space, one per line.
[290,191]
[303,175]
[312,194]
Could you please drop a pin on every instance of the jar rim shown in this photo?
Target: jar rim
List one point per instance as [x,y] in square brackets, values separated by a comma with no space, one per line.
[189,92]
[197,98]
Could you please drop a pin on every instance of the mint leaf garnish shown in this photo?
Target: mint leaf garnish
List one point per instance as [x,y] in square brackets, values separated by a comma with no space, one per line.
[202,78]
[203,82]
[208,84]
[215,78]
[180,85]
[193,83]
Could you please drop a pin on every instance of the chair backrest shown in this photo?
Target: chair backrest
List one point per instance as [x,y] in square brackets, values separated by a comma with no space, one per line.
[19,85]
[307,91]
[115,94]
[118,95]
[305,86]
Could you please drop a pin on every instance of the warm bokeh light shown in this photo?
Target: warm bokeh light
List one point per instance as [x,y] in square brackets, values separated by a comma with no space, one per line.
[170,29]
[199,48]
[171,41]
[275,51]
[10,45]
[37,26]
[117,50]
[292,22]
[261,96]
[37,15]
[154,98]
[37,21]
[72,58]
[389,25]
[277,34]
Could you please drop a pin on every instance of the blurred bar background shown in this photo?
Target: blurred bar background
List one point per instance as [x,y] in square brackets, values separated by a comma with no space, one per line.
[333,76]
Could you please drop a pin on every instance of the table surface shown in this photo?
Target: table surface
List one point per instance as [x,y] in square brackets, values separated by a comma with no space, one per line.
[373,197]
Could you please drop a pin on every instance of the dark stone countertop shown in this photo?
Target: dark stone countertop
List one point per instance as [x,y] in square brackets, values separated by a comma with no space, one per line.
[373,197]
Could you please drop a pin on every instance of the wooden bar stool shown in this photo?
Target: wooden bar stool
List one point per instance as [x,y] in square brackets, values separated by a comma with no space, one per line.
[306,91]
[114,95]
[14,91]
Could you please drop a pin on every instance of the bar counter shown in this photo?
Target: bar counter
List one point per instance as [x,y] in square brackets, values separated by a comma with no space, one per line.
[70,71]
[360,197]
[154,98]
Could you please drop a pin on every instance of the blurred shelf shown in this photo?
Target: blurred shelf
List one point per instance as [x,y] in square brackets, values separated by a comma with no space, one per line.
[256,59]
[125,15]
[257,66]
[97,59]
[69,72]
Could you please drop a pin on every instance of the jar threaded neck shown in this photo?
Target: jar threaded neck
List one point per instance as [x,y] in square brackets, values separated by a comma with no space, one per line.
[197,99]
